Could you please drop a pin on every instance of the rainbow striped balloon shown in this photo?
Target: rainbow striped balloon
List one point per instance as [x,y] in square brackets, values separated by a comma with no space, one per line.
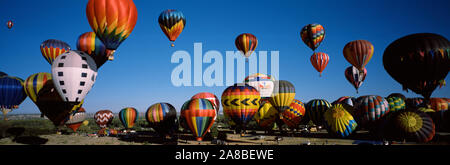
[52,48]
[199,115]
[312,35]
[34,84]
[370,108]
[128,116]
[294,114]
[162,117]
[92,45]
[246,43]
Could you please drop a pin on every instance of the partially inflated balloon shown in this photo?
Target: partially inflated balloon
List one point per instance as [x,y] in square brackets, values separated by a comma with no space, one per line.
[162,118]
[76,119]
[112,21]
[413,125]
[312,35]
[319,61]
[74,73]
[396,103]
[262,82]
[283,95]
[339,121]
[370,108]
[266,115]
[211,97]
[419,62]
[172,23]
[89,43]
[52,48]
[104,118]
[240,102]
[294,114]
[128,116]
[355,77]
[358,53]
[199,115]
[246,43]
[315,110]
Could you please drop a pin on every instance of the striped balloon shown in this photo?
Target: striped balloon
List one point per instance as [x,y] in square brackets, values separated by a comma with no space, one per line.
[128,116]
[246,43]
[199,115]
[172,23]
[181,119]
[396,103]
[240,102]
[320,61]
[75,120]
[315,110]
[338,120]
[370,108]
[266,115]
[12,93]
[211,97]
[162,117]
[103,118]
[312,35]
[52,48]
[34,84]
[355,77]
[358,53]
[294,114]
[283,95]
[91,45]
[413,125]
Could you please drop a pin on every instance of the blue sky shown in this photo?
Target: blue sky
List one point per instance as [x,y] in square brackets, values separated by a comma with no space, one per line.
[140,74]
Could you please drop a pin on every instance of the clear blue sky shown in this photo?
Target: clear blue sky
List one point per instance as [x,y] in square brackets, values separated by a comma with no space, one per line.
[140,74]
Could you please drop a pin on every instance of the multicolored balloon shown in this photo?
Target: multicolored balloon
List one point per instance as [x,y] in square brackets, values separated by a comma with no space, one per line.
[52,48]
[128,116]
[370,109]
[12,94]
[240,102]
[396,103]
[345,100]
[211,97]
[261,82]
[315,110]
[34,83]
[413,125]
[338,121]
[266,116]
[199,115]
[90,44]
[312,35]
[293,116]
[162,118]
[283,95]
[246,43]
[355,77]
[358,53]
[9,24]
[104,118]
[419,62]
[76,119]
[172,23]
[320,61]
[112,21]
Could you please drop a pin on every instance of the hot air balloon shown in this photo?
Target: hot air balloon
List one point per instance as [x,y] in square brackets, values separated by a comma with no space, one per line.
[294,114]
[211,97]
[440,106]
[266,116]
[412,125]
[52,48]
[345,100]
[312,35]
[263,83]
[74,122]
[103,118]
[240,102]
[34,83]
[199,115]
[52,105]
[172,23]
[162,118]
[320,61]
[3,74]
[397,95]
[315,110]
[128,116]
[74,73]
[246,43]
[112,21]
[369,109]
[9,24]
[89,43]
[396,103]
[181,119]
[358,53]
[355,77]
[283,95]
[338,121]
[415,102]
[419,62]
[12,94]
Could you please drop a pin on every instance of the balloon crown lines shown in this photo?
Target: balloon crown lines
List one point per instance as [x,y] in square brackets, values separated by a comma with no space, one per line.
[213,75]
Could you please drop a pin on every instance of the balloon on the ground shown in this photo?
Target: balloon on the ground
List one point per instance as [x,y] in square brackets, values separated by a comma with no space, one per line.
[246,43]
[338,121]
[293,116]
[315,110]
[74,122]
[320,61]
[369,109]
[103,118]
[12,94]
[199,115]
[112,21]
[211,97]
[240,102]
[162,118]
[283,95]
[172,23]
[266,115]
[74,73]
[52,48]
[355,77]
[312,35]
[261,82]
[419,62]
[128,116]
[413,125]
[358,53]
[90,44]
[396,103]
